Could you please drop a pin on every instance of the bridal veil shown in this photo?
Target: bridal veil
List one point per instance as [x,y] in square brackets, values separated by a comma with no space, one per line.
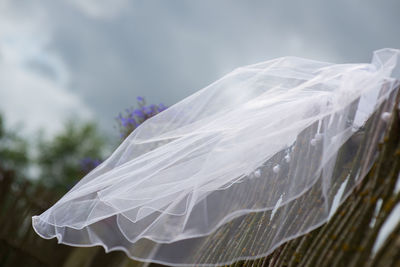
[259,157]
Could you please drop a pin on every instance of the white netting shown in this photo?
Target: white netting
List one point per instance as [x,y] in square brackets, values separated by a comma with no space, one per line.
[239,167]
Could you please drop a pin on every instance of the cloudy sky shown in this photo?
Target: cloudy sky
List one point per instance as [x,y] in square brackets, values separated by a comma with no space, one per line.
[91,58]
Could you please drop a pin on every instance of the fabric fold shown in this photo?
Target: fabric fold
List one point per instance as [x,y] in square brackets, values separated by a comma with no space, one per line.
[233,171]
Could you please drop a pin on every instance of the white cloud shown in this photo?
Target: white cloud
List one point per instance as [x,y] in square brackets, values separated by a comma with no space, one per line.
[110,51]
[29,95]
[35,100]
[103,9]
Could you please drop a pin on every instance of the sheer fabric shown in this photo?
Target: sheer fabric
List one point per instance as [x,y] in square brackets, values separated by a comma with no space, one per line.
[259,157]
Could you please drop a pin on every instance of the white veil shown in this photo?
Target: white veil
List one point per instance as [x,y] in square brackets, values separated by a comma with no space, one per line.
[259,157]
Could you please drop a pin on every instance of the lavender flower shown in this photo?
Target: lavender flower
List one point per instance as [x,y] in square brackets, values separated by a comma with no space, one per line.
[134,117]
[88,164]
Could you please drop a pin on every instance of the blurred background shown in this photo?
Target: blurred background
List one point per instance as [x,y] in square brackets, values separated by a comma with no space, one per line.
[77,76]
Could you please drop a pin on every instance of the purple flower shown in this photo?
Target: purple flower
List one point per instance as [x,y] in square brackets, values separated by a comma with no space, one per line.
[88,164]
[124,122]
[161,107]
[134,117]
[139,113]
[147,110]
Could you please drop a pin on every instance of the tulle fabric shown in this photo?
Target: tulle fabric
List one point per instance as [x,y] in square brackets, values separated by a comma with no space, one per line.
[259,157]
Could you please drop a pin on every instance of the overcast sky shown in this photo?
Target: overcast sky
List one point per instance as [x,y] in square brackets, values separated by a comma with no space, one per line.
[92,58]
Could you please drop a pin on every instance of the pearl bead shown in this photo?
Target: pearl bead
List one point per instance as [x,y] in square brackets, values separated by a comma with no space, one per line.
[318,137]
[385,116]
[287,158]
[313,142]
[276,168]
[257,173]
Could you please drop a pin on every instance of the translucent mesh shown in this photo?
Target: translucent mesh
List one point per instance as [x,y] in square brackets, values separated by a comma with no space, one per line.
[259,157]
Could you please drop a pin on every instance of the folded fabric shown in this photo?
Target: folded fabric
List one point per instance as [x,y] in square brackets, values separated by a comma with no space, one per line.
[259,157]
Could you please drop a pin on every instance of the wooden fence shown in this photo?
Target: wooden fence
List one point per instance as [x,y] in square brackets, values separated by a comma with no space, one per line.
[21,246]
[349,237]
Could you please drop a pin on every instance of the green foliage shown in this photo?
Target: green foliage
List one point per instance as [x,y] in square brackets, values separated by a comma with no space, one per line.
[13,150]
[59,159]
